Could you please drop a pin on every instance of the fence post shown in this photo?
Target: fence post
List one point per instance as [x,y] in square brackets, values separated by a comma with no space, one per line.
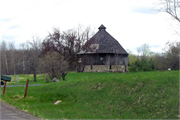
[17,79]
[26,88]
[4,88]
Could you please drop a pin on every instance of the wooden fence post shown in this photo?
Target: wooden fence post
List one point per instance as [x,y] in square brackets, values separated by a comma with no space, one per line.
[4,88]
[26,88]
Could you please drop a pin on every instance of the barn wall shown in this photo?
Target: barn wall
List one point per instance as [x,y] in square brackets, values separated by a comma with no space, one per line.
[104,68]
[118,68]
[104,59]
[102,63]
[87,68]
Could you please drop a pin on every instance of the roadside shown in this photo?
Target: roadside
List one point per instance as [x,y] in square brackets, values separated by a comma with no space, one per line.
[11,112]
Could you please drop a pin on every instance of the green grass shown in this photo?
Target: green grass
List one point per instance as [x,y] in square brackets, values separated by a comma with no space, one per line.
[23,79]
[138,95]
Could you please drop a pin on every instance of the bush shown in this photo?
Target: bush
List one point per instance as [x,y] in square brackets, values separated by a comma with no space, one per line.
[142,65]
[47,79]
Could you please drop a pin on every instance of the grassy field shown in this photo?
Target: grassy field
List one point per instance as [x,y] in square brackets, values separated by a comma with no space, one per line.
[138,95]
[23,79]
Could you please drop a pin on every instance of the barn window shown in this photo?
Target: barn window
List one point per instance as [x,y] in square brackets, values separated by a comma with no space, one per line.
[91,67]
[110,67]
[94,47]
[101,58]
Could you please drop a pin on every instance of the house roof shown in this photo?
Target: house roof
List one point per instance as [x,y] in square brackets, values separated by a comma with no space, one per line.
[104,43]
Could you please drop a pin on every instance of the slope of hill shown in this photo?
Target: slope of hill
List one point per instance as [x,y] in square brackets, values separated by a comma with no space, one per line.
[141,95]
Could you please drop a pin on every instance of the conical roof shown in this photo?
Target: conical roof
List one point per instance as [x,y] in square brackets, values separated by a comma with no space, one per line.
[105,42]
[102,27]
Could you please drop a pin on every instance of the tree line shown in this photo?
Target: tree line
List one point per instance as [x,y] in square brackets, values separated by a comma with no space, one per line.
[146,60]
[54,55]
[169,58]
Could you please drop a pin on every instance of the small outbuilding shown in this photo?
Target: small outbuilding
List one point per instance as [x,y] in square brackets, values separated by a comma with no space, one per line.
[104,54]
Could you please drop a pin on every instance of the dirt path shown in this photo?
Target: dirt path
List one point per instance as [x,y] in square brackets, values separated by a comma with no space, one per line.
[10,112]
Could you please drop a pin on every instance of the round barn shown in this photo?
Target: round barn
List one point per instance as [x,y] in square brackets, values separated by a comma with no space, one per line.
[103,53]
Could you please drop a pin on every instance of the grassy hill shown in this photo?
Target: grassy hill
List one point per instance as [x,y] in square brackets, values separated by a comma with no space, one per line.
[138,95]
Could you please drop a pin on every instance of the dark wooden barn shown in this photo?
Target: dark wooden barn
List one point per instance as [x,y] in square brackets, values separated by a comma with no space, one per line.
[104,54]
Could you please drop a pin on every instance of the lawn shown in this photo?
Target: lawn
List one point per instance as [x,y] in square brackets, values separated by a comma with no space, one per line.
[23,79]
[138,95]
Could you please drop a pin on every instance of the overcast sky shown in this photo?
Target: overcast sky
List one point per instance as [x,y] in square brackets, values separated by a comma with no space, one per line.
[131,22]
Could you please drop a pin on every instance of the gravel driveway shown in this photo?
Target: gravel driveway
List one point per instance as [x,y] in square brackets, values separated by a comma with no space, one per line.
[9,112]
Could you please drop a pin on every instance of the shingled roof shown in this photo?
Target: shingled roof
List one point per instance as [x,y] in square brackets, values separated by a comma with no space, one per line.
[105,42]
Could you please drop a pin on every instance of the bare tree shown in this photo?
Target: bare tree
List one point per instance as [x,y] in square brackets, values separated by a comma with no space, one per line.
[68,44]
[54,65]
[12,57]
[172,54]
[172,7]
[23,56]
[4,61]
[33,52]
[160,62]
[18,60]
[169,58]
[63,45]
[144,50]
[84,33]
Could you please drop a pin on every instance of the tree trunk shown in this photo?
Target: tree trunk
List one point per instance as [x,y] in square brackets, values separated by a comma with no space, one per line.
[7,70]
[63,75]
[24,69]
[34,75]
